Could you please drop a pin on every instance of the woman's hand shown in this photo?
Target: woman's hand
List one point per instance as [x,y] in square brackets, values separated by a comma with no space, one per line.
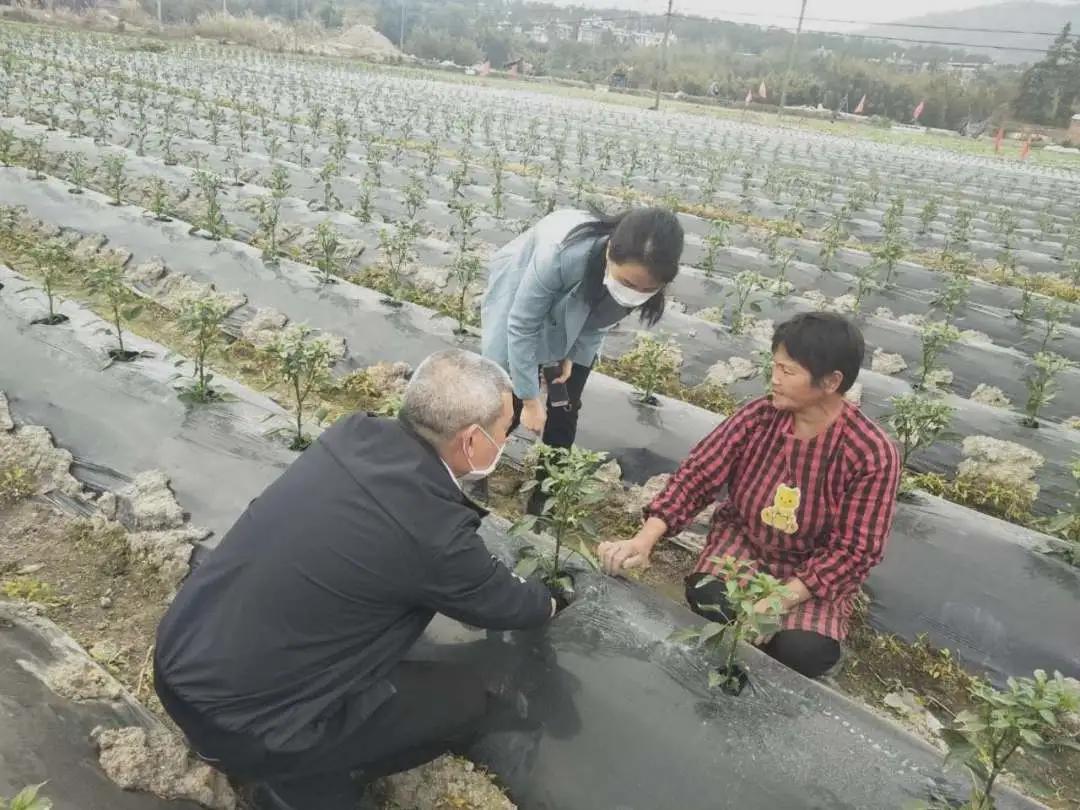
[534,414]
[567,369]
[622,555]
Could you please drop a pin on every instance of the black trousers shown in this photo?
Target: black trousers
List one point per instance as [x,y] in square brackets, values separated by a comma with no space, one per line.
[437,708]
[808,653]
[560,430]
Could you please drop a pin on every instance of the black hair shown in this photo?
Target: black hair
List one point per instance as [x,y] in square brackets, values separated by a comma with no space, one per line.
[651,237]
[823,342]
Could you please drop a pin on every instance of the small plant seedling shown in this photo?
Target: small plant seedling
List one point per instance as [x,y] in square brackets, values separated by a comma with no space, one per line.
[106,281]
[200,319]
[397,250]
[918,421]
[415,197]
[928,214]
[7,147]
[745,588]
[763,362]
[652,367]
[303,363]
[1055,313]
[212,221]
[327,252]
[269,211]
[714,243]
[1041,383]
[35,157]
[329,170]
[51,260]
[889,252]
[115,180]
[1029,713]
[572,493]
[29,798]
[954,293]
[78,173]
[936,336]
[866,283]
[744,285]
[159,199]
[466,270]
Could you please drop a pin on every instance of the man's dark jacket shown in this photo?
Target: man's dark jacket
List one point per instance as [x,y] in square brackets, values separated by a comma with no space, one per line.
[325,582]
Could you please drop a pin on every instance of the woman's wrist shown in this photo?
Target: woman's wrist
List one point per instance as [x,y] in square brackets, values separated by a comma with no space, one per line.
[653,531]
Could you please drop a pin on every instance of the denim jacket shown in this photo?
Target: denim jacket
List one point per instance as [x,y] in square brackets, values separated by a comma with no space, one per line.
[534,310]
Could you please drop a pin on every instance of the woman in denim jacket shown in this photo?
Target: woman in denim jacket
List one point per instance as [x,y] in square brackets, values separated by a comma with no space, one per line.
[555,290]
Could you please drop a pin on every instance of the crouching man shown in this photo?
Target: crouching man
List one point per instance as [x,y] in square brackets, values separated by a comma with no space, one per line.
[283,656]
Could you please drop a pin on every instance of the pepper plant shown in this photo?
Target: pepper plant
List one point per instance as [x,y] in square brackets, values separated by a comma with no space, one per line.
[467,268]
[1055,313]
[212,220]
[78,173]
[1041,382]
[652,367]
[744,285]
[106,281]
[1030,713]
[949,297]
[936,336]
[7,147]
[35,157]
[1066,524]
[573,492]
[745,588]
[269,213]
[200,319]
[917,421]
[159,199]
[928,214]
[327,252]
[397,248]
[115,181]
[51,260]
[303,363]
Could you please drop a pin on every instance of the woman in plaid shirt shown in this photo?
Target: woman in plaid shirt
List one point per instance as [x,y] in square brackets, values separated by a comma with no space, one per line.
[811,488]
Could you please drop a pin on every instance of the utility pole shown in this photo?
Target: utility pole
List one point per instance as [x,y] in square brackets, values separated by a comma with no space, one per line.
[661,67]
[224,6]
[401,37]
[791,59]
[160,22]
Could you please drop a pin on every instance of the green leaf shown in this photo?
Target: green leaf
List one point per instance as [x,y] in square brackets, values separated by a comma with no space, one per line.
[711,630]
[684,635]
[583,550]
[961,749]
[1031,738]
[526,567]
[716,680]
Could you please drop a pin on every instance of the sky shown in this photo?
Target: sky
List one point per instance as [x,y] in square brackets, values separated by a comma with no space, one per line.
[785,12]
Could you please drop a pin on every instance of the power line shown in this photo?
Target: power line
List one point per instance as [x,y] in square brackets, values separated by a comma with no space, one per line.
[894,24]
[967,46]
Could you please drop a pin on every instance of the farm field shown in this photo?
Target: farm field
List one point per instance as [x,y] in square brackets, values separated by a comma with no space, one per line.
[181,225]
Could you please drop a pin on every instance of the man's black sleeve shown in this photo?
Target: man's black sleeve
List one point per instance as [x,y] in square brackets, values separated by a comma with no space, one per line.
[468,584]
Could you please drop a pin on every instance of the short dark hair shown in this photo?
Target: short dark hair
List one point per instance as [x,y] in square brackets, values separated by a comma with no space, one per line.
[822,343]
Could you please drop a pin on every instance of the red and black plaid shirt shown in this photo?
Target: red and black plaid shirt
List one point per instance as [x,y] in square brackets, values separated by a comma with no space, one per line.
[847,478]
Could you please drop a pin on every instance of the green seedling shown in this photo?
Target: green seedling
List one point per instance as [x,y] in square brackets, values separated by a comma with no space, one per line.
[200,320]
[303,363]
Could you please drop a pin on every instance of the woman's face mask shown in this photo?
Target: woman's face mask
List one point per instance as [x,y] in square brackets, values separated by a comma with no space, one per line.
[626,296]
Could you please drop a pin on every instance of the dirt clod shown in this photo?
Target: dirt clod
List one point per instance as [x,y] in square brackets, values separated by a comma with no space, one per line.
[445,782]
[31,448]
[729,371]
[990,395]
[148,504]
[886,363]
[6,422]
[1007,463]
[159,762]
[80,680]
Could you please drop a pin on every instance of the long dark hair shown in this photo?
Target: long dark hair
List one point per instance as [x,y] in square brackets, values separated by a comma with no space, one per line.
[651,237]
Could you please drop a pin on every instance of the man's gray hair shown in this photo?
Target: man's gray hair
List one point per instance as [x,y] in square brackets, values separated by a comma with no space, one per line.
[451,390]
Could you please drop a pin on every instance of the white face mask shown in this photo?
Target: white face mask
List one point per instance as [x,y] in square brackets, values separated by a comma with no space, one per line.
[626,296]
[476,475]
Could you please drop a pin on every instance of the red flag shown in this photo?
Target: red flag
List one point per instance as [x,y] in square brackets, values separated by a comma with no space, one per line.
[861,105]
[1027,149]
[763,91]
[919,110]
[749,97]
[998,139]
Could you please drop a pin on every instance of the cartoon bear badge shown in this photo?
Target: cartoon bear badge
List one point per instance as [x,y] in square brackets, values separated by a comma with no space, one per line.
[781,515]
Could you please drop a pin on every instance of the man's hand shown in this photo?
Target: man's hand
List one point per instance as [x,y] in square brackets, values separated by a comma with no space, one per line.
[797,594]
[534,414]
[567,369]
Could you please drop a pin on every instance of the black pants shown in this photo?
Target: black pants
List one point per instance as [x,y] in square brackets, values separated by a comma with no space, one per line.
[438,708]
[808,653]
[560,430]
